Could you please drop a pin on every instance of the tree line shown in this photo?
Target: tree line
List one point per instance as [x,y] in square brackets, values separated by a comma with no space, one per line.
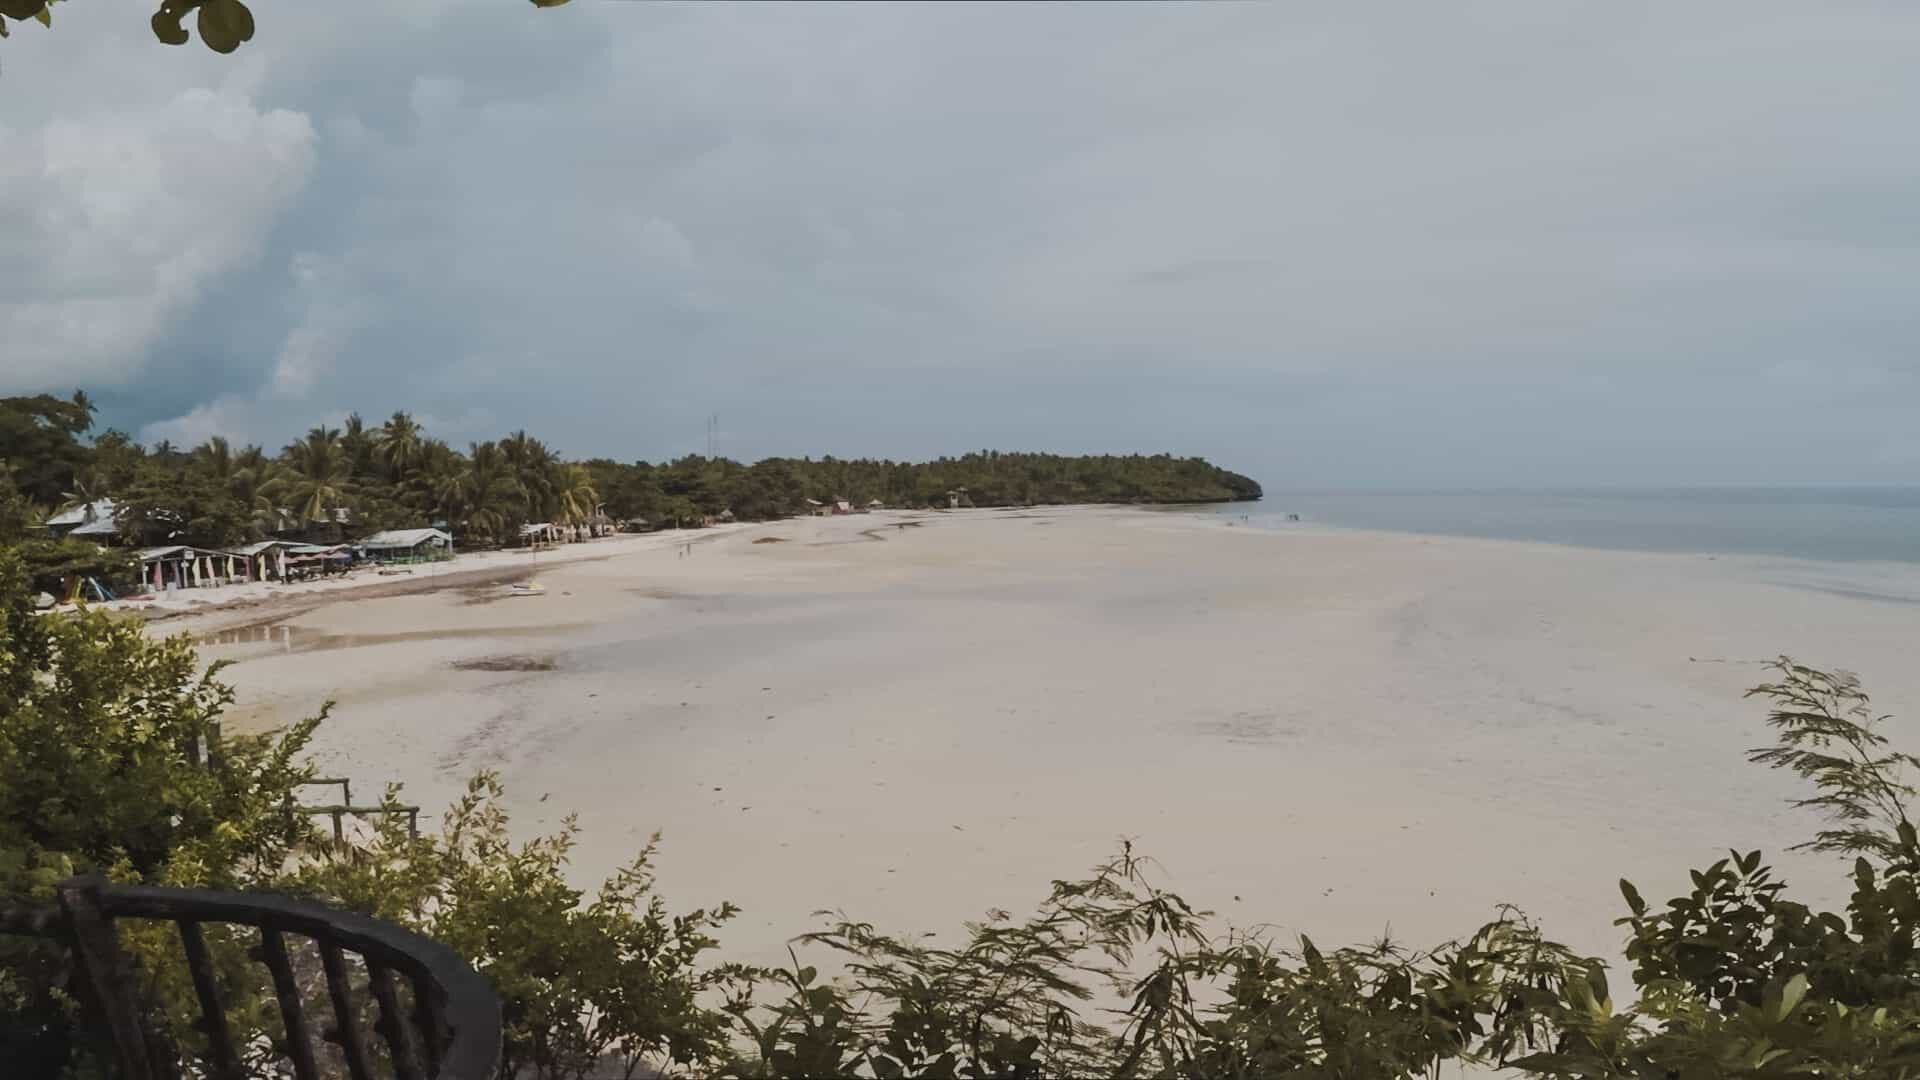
[340,483]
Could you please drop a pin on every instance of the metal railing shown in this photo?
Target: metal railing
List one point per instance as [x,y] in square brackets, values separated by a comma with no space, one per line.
[451,1032]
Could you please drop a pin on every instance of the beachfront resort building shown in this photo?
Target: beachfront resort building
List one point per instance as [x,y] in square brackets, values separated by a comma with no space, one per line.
[408,546]
[315,560]
[267,560]
[179,566]
[94,521]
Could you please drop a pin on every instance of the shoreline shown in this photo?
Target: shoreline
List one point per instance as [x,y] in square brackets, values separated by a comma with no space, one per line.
[262,602]
[288,601]
[1325,731]
[257,602]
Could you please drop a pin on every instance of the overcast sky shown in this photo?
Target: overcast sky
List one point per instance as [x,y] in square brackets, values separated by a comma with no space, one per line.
[1383,244]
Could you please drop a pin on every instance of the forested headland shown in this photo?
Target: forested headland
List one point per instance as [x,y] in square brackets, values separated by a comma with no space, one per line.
[336,483]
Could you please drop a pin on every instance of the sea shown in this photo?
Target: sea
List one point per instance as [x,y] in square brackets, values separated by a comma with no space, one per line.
[1827,524]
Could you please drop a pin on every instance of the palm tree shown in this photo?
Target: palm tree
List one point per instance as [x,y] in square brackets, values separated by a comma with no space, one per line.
[251,487]
[400,445]
[489,494]
[216,456]
[252,459]
[316,476]
[573,495]
[88,490]
[358,446]
[529,461]
[435,483]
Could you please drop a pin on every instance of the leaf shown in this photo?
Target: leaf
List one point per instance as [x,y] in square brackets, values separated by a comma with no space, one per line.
[45,15]
[22,9]
[225,24]
[548,3]
[1632,894]
[166,27]
[1790,996]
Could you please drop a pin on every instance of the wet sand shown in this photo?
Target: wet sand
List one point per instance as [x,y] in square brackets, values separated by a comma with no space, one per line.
[918,717]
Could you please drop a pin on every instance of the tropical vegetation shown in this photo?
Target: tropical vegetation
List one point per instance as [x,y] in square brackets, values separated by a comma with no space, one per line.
[340,483]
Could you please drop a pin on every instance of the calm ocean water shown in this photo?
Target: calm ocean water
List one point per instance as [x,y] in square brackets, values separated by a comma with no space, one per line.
[1831,524]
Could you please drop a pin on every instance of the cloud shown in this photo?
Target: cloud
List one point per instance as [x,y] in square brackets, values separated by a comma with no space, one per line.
[1511,242]
[435,99]
[117,221]
[226,415]
[332,309]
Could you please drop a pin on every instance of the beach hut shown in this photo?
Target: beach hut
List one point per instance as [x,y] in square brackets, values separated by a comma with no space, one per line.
[301,561]
[408,546]
[539,534]
[179,566]
[96,519]
[816,508]
[266,560]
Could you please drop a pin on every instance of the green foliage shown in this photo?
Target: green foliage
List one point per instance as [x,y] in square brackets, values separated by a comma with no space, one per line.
[40,435]
[17,515]
[335,484]
[223,25]
[778,487]
[100,729]
[49,563]
[1827,734]
[182,506]
[112,760]
[583,979]
[1009,1001]
[1016,998]
[314,476]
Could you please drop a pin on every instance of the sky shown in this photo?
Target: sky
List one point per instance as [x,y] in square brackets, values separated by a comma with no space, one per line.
[1385,244]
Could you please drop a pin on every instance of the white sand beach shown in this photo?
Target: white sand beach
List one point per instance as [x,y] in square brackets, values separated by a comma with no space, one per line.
[918,717]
